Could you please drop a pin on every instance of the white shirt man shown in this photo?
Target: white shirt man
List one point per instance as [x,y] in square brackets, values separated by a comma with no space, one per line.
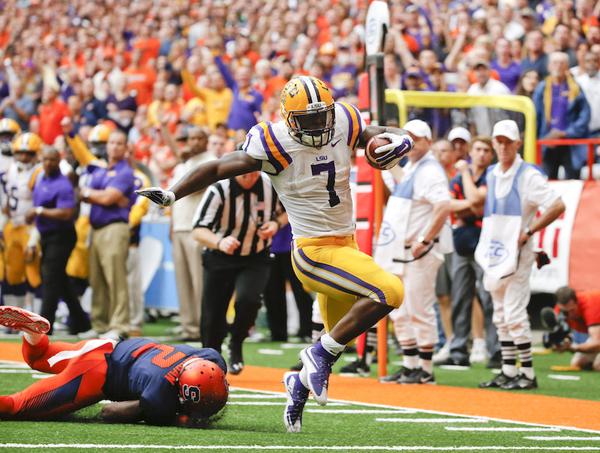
[515,191]
[483,117]
[590,84]
[412,244]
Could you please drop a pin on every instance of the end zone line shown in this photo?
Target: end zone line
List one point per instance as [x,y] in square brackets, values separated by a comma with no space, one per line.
[294,447]
[498,428]
[553,438]
[429,411]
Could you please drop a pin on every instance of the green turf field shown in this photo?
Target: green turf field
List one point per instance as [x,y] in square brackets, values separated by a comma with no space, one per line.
[253,420]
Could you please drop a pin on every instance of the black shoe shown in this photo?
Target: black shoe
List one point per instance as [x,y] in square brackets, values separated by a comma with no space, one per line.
[520,382]
[395,377]
[497,382]
[455,362]
[356,368]
[426,378]
[495,362]
[236,359]
[412,376]
[296,367]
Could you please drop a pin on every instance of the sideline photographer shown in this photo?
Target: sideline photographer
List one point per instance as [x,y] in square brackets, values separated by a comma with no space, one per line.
[582,311]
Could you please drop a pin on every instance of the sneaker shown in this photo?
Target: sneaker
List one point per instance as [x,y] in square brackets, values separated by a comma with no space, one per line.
[297,395]
[114,335]
[356,368]
[455,362]
[88,335]
[236,358]
[317,363]
[520,382]
[395,377]
[497,382]
[17,318]
[442,355]
[479,353]
[411,377]
[426,378]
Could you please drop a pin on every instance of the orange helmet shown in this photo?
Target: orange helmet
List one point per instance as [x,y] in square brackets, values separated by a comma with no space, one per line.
[203,389]
[308,109]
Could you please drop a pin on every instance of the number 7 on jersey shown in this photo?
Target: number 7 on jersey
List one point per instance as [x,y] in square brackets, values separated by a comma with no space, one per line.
[329,167]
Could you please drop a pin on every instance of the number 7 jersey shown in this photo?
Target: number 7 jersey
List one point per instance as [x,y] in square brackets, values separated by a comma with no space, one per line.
[313,184]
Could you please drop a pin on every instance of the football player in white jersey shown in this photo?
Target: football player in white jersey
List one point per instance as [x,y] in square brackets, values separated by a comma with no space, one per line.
[308,156]
[21,254]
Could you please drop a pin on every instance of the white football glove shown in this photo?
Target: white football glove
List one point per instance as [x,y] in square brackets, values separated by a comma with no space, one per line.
[158,195]
[398,147]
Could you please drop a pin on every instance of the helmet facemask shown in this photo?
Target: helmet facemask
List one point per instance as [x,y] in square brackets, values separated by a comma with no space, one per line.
[314,126]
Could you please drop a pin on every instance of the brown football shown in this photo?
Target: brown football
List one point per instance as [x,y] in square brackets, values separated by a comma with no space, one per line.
[370,150]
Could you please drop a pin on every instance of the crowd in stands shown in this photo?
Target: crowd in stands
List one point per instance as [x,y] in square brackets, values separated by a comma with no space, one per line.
[155,72]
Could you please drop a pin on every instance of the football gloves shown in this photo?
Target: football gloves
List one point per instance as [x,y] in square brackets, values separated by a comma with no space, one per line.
[158,195]
[398,147]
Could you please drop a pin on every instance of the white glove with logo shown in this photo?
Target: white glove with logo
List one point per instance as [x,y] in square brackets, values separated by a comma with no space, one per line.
[398,147]
[158,195]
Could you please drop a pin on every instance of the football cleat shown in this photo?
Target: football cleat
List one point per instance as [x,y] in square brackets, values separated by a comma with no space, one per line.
[317,363]
[497,382]
[24,320]
[297,395]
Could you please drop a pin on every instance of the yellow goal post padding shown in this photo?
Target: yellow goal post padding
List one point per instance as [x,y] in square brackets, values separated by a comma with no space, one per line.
[431,99]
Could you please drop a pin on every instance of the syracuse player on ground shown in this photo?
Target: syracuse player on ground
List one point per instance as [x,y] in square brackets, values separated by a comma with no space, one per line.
[157,383]
[308,157]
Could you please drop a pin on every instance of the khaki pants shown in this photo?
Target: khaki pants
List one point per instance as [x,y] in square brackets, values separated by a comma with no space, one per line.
[134,281]
[108,278]
[187,258]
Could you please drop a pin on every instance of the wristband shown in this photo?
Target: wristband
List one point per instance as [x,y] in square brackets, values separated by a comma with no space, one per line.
[39,210]
[218,243]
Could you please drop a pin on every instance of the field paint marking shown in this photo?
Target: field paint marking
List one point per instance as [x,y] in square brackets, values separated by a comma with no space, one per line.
[432,420]
[41,376]
[429,411]
[21,371]
[294,345]
[553,438]
[274,403]
[295,447]
[498,428]
[250,396]
[455,367]
[564,377]
[359,411]
[270,351]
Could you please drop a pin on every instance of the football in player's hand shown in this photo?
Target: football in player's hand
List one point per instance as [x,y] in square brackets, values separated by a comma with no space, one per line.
[374,155]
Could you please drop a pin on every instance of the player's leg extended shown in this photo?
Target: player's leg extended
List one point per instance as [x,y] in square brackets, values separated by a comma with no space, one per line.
[78,385]
[336,268]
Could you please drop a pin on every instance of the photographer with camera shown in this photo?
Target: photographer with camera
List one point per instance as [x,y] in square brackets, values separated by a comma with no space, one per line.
[581,310]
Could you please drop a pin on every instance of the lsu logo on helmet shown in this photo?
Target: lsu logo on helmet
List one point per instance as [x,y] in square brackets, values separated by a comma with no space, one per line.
[308,110]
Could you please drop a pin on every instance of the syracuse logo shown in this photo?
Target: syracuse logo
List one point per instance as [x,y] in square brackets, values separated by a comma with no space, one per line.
[497,253]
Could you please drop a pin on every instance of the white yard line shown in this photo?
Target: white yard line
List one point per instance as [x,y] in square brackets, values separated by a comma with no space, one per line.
[498,428]
[564,377]
[553,438]
[265,351]
[431,420]
[19,371]
[429,411]
[274,403]
[251,396]
[359,411]
[41,376]
[294,447]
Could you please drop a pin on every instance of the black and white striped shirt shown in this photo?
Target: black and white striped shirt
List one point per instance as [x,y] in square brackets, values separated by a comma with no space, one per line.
[229,210]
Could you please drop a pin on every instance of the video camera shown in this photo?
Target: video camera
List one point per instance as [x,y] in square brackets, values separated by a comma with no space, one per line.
[557,326]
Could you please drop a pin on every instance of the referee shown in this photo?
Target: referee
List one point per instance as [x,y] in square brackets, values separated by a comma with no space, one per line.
[235,221]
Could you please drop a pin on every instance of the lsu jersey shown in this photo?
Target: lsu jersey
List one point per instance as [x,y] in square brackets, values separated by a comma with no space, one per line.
[143,370]
[19,183]
[313,183]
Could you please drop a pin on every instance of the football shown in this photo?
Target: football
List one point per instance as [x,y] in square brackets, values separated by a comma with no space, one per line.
[371,153]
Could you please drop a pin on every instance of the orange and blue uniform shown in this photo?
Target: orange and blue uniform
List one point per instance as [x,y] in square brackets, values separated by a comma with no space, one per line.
[93,370]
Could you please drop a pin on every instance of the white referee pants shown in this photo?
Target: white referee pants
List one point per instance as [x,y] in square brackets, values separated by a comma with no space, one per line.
[510,301]
[415,319]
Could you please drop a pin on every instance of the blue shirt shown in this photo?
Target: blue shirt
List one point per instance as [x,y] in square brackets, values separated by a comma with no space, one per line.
[53,191]
[120,176]
[143,370]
